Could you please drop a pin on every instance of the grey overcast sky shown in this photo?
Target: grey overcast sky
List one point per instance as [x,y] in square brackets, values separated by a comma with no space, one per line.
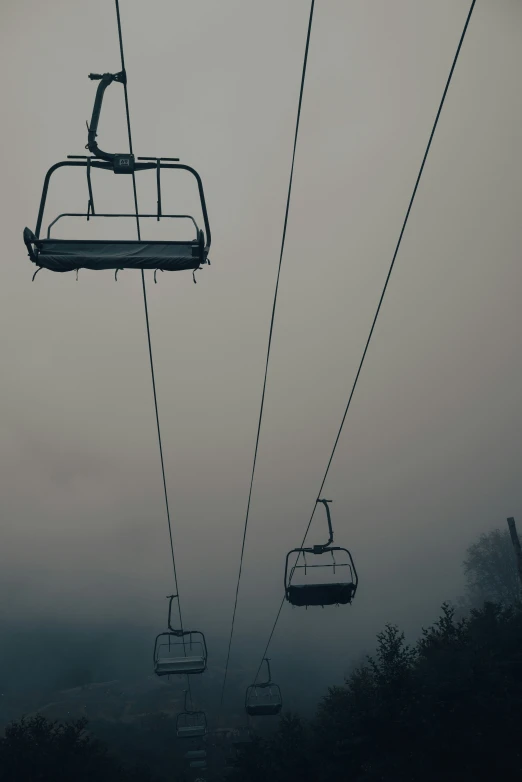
[431,451]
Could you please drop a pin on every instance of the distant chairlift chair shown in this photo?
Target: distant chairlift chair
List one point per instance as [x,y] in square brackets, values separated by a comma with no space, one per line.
[243,738]
[191,724]
[196,754]
[264,698]
[198,764]
[333,593]
[239,744]
[179,651]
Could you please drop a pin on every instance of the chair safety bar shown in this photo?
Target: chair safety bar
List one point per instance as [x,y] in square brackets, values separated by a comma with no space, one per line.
[88,215]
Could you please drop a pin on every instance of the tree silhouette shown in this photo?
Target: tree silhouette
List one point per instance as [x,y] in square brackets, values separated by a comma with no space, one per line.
[449,708]
[37,750]
[491,570]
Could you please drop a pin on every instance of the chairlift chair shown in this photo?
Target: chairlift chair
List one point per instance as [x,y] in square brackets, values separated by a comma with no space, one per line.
[63,255]
[239,745]
[191,724]
[198,764]
[179,651]
[196,754]
[332,593]
[243,739]
[264,698]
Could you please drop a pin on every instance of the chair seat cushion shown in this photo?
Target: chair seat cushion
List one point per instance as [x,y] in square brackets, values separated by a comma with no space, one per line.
[320,594]
[263,709]
[65,255]
[191,730]
[174,665]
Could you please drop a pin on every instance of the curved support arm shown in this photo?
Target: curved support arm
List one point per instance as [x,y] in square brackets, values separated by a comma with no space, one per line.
[329,520]
[268,681]
[105,80]
[170,598]
[269,677]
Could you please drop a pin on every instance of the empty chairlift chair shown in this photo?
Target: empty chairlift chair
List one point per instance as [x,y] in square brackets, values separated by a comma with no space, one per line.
[202,764]
[240,743]
[264,698]
[196,754]
[322,594]
[179,651]
[63,255]
[191,724]
[242,739]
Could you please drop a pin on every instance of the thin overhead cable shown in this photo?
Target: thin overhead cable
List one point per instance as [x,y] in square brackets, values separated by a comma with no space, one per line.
[365,351]
[283,240]
[147,323]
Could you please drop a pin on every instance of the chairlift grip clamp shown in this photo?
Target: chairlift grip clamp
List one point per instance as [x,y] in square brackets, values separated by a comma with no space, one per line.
[109,77]
[121,163]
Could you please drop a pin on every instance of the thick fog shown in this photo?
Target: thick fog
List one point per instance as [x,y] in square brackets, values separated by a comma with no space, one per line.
[431,450]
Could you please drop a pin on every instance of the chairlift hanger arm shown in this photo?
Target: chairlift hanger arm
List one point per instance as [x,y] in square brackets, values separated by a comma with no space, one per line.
[267,660]
[268,681]
[104,79]
[329,520]
[170,598]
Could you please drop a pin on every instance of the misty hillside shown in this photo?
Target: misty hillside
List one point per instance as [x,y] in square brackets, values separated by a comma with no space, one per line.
[108,675]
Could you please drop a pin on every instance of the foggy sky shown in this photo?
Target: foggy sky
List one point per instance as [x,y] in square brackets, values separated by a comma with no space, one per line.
[430,454]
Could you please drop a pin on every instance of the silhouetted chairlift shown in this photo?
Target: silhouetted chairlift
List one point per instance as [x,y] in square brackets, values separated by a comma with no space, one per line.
[333,593]
[191,724]
[243,739]
[264,698]
[239,744]
[202,764]
[63,255]
[179,651]
[196,754]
